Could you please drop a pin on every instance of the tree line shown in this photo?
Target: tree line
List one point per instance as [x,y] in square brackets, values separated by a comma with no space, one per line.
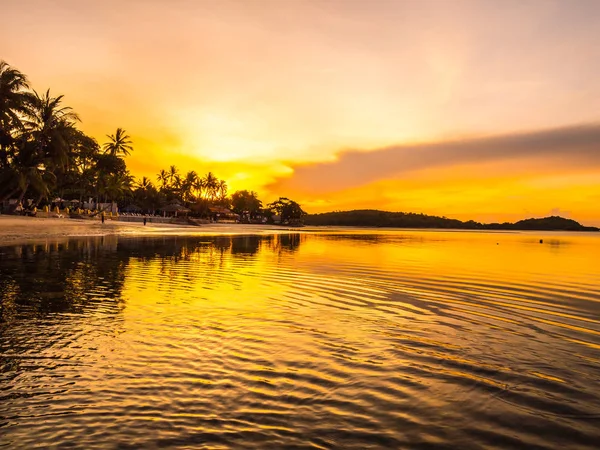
[376,218]
[44,156]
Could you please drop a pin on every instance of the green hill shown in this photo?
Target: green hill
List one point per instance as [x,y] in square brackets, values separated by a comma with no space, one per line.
[376,218]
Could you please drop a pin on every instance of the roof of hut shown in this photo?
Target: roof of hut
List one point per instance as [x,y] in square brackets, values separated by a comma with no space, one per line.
[175,207]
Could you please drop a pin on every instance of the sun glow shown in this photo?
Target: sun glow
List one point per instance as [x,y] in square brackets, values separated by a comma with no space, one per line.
[257,94]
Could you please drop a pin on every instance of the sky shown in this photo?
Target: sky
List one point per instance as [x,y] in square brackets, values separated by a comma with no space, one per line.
[480,110]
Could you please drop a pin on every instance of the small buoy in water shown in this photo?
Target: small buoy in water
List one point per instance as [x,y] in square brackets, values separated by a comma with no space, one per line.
[541,241]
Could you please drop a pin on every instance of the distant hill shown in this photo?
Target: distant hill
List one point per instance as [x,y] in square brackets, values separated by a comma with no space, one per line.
[376,218]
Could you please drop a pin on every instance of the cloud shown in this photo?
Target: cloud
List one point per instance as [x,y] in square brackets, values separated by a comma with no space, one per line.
[567,147]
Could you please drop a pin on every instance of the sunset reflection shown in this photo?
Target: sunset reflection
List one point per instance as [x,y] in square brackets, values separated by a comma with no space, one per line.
[357,329]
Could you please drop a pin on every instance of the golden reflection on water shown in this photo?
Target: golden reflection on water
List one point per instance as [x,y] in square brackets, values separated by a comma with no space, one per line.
[382,339]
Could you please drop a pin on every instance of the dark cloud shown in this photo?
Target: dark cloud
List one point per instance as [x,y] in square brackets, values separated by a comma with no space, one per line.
[570,147]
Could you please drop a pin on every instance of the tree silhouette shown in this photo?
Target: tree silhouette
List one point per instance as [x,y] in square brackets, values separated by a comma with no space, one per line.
[119,144]
[289,210]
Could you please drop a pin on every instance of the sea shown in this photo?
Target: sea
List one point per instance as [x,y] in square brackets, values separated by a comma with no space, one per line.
[318,338]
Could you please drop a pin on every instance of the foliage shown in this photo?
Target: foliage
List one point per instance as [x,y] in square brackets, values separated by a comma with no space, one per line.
[375,218]
[288,209]
[43,155]
[118,144]
[245,202]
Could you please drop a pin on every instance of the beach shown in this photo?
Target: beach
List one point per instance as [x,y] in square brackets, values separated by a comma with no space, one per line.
[18,229]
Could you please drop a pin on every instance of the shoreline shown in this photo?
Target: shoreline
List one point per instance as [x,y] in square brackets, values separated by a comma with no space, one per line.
[16,230]
[22,229]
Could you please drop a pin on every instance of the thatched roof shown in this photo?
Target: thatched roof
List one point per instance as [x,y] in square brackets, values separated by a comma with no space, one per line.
[175,207]
[220,210]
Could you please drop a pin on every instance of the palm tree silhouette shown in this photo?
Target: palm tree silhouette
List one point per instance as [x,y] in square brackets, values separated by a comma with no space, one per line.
[188,185]
[119,144]
[173,175]
[222,189]
[210,185]
[14,99]
[163,178]
[49,138]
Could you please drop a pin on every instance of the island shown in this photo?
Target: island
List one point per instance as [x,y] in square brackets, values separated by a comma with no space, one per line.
[376,218]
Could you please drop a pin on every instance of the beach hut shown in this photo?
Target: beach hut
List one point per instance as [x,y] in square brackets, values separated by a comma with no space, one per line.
[175,209]
[222,214]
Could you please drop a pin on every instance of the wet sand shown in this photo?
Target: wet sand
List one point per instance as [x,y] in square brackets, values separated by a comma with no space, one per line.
[16,229]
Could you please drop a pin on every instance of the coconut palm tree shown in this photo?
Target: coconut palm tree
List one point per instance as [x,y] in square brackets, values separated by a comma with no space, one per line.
[188,184]
[119,144]
[14,94]
[14,104]
[163,179]
[145,184]
[45,146]
[198,186]
[177,184]
[118,185]
[146,195]
[222,189]
[210,185]
[51,126]
[173,174]
[27,171]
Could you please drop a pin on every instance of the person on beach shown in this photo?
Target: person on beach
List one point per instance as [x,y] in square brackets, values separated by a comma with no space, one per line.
[145,218]
[102,217]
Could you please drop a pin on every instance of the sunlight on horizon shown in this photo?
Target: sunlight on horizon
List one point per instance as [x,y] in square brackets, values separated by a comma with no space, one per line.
[271,96]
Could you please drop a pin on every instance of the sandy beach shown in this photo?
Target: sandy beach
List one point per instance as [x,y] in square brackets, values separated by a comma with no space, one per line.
[17,229]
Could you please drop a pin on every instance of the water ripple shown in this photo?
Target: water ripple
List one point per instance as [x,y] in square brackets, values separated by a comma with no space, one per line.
[381,340]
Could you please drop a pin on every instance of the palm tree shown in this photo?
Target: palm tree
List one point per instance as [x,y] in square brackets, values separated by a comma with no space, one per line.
[50,123]
[119,144]
[173,174]
[198,186]
[210,185]
[163,178]
[146,194]
[14,96]
[145,184]
[177,183]
[222,189]
[25,173]
[188,185]
[117,185]
[13,104]
[46,145]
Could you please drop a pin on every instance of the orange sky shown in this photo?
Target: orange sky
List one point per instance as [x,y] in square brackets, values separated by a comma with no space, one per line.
[469,109]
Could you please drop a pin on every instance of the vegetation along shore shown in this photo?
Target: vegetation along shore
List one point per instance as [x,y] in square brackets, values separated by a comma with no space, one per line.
[375,218]
[50,168]
[48,164]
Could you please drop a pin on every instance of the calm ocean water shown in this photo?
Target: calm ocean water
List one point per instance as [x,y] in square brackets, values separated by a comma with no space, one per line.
[391,339]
